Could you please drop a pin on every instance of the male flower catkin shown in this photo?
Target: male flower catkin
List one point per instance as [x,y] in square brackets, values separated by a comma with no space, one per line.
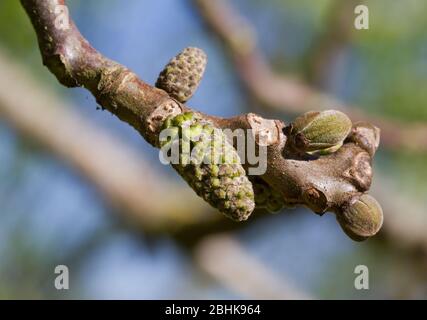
[181,76]
[319,132]
[209,164]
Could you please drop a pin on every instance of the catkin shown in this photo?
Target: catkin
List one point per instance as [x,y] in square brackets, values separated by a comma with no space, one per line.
[210,165]
[182,75]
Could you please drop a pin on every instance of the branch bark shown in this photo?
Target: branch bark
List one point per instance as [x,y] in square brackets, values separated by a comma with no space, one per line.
[280,93]
[326,183]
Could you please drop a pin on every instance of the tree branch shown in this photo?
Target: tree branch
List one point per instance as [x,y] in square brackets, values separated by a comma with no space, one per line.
[334,182]
[280,93]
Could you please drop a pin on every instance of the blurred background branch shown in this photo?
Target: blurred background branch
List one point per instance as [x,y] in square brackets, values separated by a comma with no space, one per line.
[223,258]
[336,35]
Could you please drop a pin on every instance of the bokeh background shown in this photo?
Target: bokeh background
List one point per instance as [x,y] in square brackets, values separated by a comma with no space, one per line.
[54,211]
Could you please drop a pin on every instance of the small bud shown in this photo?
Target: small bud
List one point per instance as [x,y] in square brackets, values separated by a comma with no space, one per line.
[362,219]
[319,132]
[182,75]
[211,166]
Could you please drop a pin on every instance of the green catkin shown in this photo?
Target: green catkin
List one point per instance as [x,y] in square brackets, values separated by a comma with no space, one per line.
[182,75]
[210,165]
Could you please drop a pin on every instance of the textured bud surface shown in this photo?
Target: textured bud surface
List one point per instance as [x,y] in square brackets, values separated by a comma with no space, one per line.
[362,219]
[322,132]
[211,165]
[182,75]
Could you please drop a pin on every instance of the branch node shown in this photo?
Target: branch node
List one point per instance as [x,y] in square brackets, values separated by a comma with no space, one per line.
[360,171]
[265,132]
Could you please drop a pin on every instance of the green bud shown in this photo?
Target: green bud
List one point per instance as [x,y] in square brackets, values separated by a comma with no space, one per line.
[182,75]
[320,132]
[362,219]
[224,185]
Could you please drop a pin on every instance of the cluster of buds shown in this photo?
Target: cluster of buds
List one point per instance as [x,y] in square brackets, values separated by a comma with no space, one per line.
[212,167]
[208,162]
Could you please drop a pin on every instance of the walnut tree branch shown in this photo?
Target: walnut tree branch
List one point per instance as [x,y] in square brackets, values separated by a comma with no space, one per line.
[335,182]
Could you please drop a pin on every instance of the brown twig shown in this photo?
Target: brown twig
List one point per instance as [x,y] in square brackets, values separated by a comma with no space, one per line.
[280,93]
[326,183]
